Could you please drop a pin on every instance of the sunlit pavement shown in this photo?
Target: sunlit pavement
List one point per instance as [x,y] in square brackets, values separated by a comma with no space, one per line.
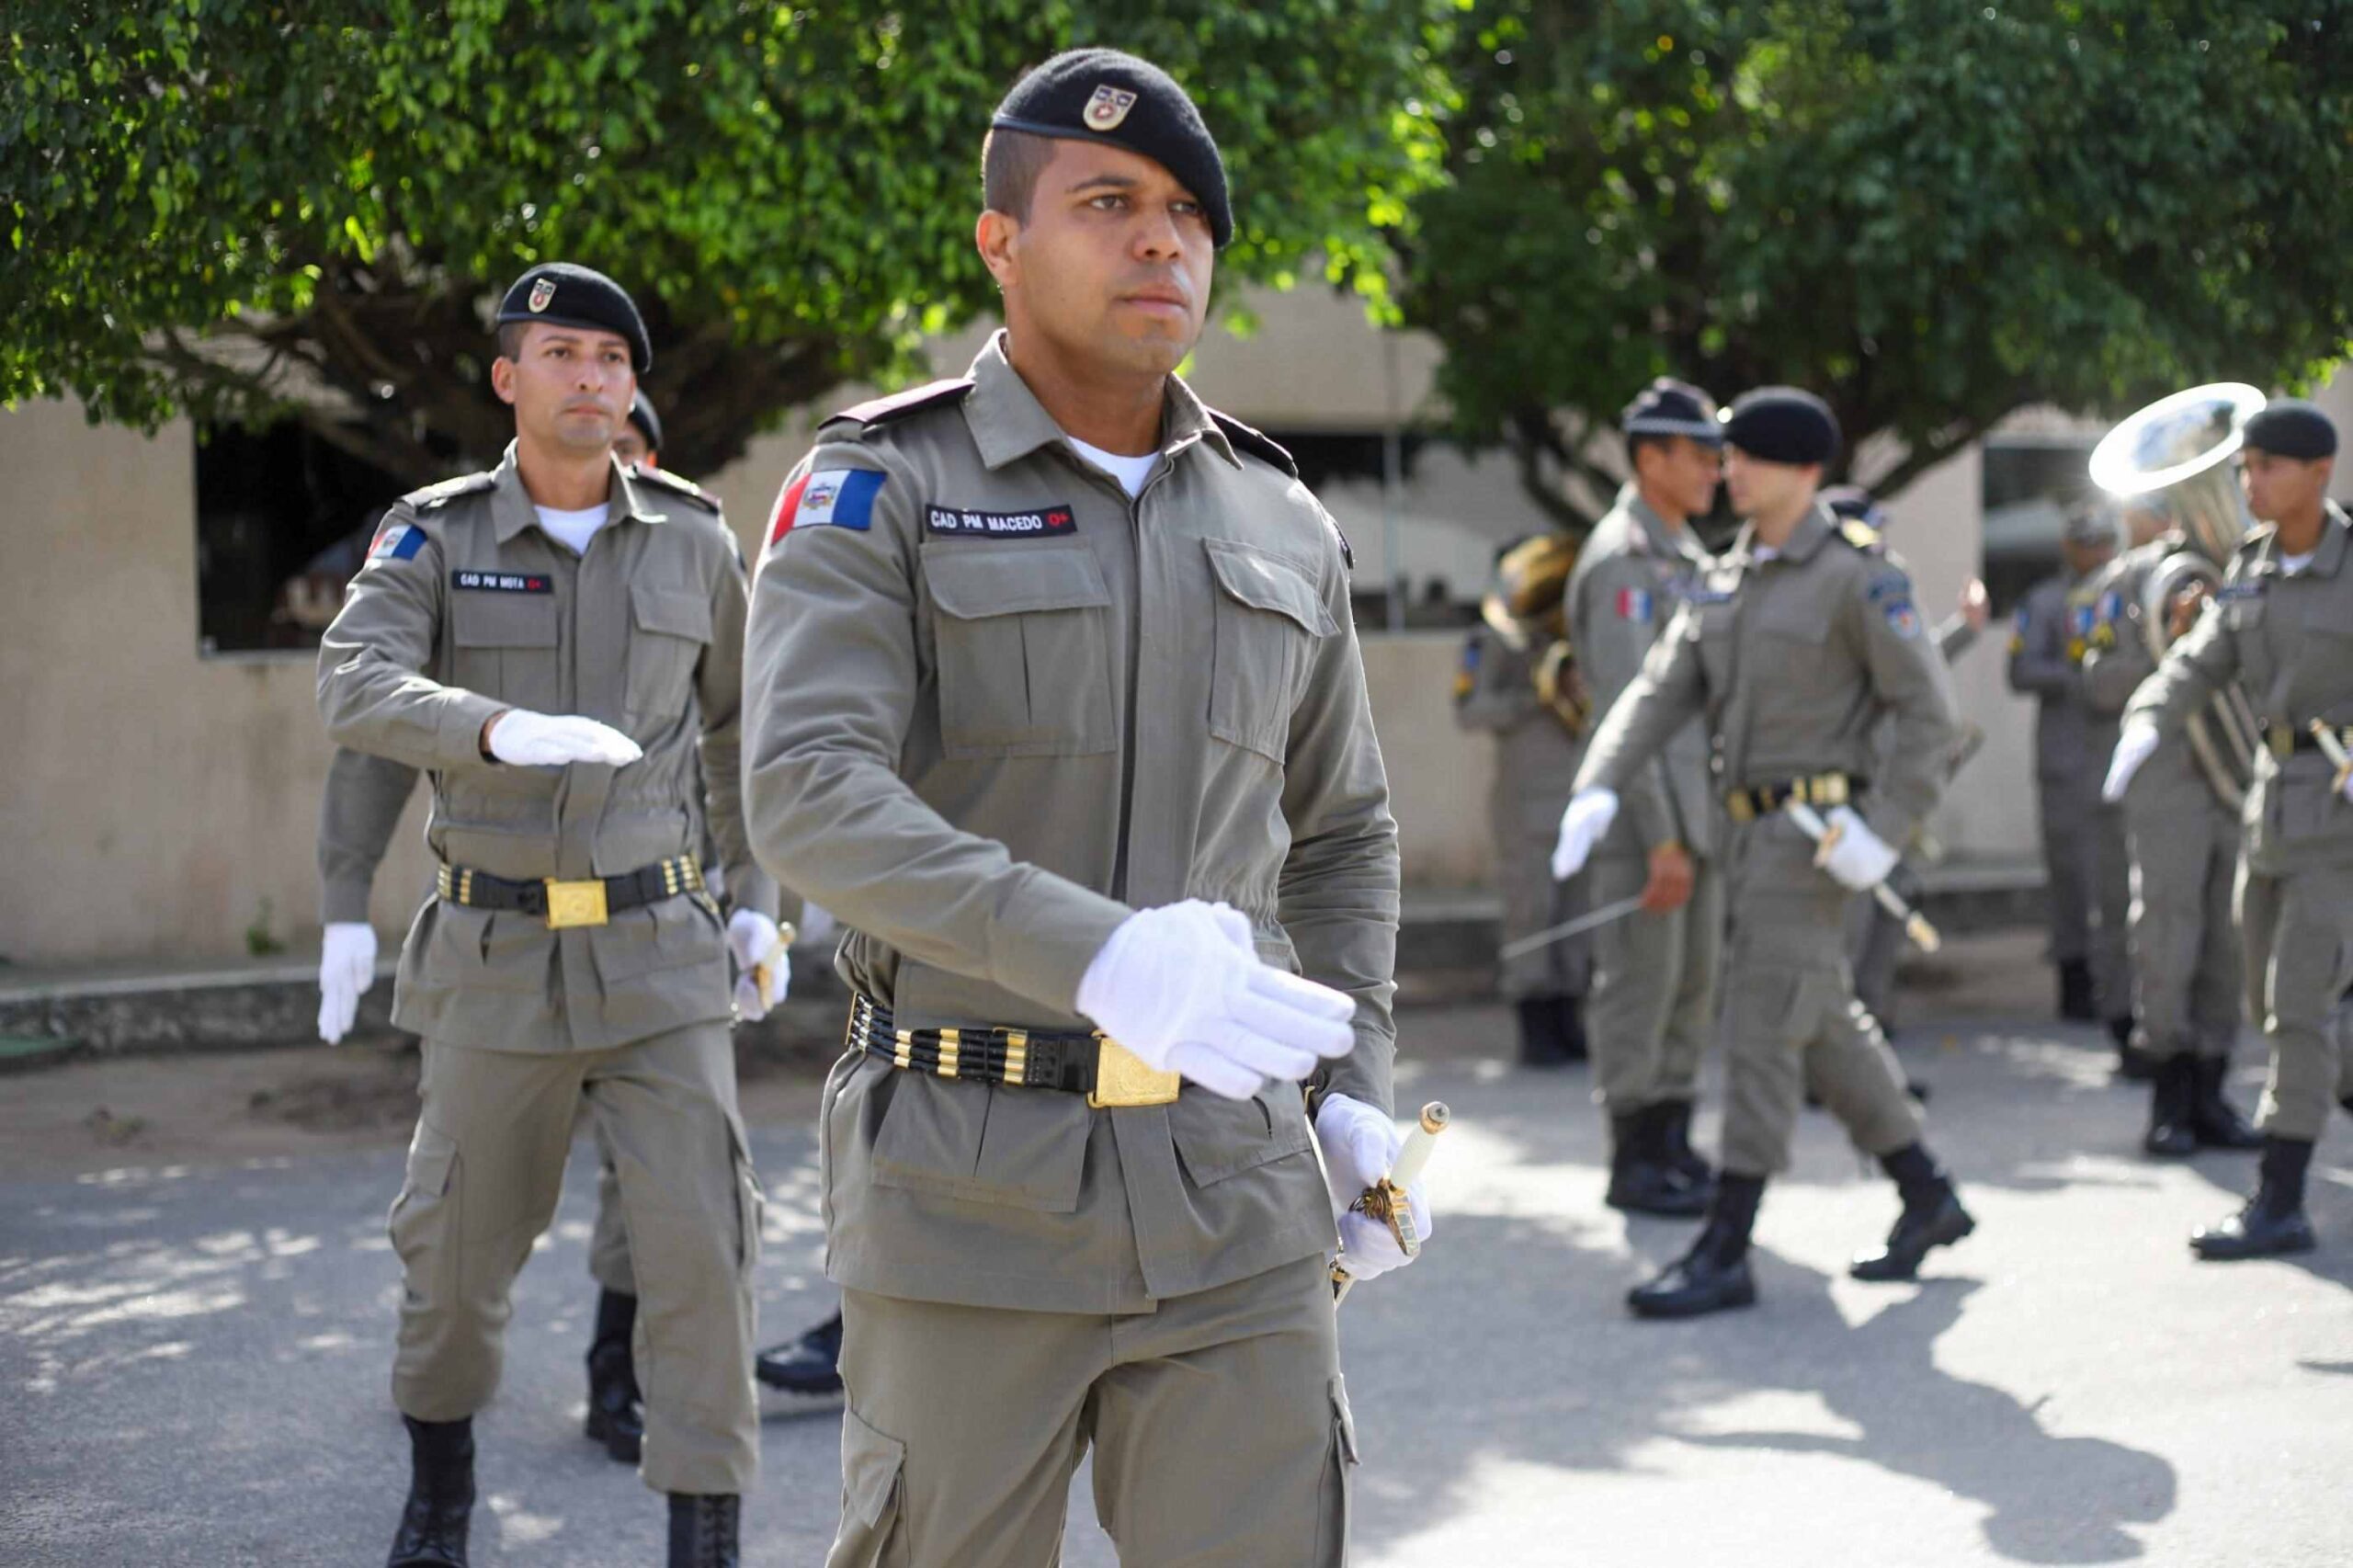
[194,1361]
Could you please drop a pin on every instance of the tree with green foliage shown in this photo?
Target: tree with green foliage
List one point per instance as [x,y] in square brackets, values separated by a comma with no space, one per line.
[245,210]
[1931,212]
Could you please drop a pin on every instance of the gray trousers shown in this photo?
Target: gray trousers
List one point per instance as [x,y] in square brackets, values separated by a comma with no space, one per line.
[1221,1431]
[1875,942]
[485,1169]
[2066,808]
[1532,902]
[2187,978]
[2298,935]
[1651,1009]
[1790,1019]
[2112,909]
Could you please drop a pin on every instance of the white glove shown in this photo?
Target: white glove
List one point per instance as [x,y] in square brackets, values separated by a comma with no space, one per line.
[1182,987]
[1590,812]
[817,925]
[1360,1144]
[542,740]
[347,968]
[1860,859]
[2133,749]
[753,938]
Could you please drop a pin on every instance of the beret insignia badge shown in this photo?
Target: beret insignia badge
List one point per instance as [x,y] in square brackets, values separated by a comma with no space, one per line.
[542,295]
[1108,107]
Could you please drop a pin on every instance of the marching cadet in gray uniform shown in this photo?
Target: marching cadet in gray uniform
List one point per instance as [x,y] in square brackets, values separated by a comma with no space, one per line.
[2046,649]
[2183,838]
[1053,700]
[1792,644]
[556,641]
[1875,938]
[2282,625]
[1654,997]
[358,813]
[1520,683]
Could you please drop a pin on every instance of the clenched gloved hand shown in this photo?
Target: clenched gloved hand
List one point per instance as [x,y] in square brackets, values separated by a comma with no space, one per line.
[347,968]
[1589,814]
[1360,1144]
[756,942]
[1859,859]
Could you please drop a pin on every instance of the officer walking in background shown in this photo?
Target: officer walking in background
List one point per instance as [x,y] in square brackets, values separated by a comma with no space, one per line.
[2046,648]
[557,643]
[1054,699]
[2182,832]
[1790,646]
[2281,626]
[1522,683]
[1652,1007]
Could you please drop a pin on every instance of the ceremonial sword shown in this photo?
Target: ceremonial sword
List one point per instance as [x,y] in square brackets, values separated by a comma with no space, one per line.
[1385,1199]
[2333,749]
[1568,928]
[1916,925]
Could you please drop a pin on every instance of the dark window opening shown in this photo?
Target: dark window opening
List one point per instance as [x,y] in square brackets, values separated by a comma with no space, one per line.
[2027,488]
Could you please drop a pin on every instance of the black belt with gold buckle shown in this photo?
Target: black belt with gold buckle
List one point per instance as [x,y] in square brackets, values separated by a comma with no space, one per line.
[1814,789]
[2285,741]
[565,905]
[1109,1074]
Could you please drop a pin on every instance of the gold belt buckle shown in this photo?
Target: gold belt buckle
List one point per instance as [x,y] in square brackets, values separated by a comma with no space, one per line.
[2283,741]
[1121,1079]
[575,903]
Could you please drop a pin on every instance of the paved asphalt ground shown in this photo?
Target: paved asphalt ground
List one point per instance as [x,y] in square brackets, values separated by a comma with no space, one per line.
[193,1356]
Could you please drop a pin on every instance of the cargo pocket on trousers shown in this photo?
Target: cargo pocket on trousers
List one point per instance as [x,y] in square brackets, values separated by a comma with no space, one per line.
[872,1472]
[424,1223]
[1339,1483]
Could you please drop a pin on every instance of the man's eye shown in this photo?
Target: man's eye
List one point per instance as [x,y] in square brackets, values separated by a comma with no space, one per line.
[1106,203]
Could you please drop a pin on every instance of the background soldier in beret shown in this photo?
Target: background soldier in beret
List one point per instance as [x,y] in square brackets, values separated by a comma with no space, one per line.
[2045,662]
[557,643]
[1054,701]
[1793,645]
[2282,625]
[1654,981]
[1520,682]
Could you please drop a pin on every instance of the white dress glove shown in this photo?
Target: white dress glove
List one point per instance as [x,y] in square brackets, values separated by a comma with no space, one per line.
[817,925]
[1360,1144]
[1183,988]
[543,740]
[1590,812]
[753,938]
[347,968]
[2133,749]
[1860,859]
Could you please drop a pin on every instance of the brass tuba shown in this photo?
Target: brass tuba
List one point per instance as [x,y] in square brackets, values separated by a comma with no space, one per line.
[1528,609]
[2175,457]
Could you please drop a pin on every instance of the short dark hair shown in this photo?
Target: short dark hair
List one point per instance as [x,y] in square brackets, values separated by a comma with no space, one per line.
[510,338]
[1011,162]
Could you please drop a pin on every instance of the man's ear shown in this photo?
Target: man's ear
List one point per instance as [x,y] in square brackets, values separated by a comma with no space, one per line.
[502,379]
[994,235]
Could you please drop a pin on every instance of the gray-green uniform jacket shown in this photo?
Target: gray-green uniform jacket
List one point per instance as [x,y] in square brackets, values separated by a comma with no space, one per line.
[1792,660]
[1629,576]
[2118,659]
[2288,640]
[466,608]
[994,707]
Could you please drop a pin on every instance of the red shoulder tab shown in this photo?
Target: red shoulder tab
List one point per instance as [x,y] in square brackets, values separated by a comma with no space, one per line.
[1258,443]
[898,405]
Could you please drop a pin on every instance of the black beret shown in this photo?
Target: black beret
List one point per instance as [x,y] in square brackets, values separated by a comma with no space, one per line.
[1102,95]
[2290,428]
[649,424]
[1669,407]
[1783,425]
[1854,503]
[567,295]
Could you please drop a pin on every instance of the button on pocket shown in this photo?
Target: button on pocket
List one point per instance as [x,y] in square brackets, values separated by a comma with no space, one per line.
[1269,618]
[1023,651]
[669,628]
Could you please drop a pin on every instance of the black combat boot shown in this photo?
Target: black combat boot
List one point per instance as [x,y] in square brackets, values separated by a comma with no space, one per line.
[1641,1181]
[1932,1217]
[1675,1134]
[703,1530]
[2075,1006]
[2273,1221]
[1572,1040]
[1714,1276]
[810,1364]
[1542,1043]
[2171,1130]
[616,1407]
[440,1496]
[2212,1118]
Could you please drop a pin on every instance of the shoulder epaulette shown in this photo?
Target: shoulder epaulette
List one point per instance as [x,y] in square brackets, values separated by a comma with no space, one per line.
[875,413]
[669,481]
[1258,443]
[449,490]
[1861,535]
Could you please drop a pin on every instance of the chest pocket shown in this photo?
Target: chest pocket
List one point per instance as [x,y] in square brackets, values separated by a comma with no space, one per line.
[1023,650]
[669,628]
[1270,619]
[1788,617]
[504,646]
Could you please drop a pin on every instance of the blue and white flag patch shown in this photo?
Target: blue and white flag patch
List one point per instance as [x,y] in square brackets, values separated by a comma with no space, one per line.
[399,541]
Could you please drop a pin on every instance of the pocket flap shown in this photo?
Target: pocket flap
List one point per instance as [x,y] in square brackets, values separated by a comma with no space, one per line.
[973,585]
[871,1467]
[1217,1138]
[1269,583]
[672,610]
[502,620]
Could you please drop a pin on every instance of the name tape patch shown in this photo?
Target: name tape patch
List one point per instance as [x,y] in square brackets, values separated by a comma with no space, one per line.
[960,522]
[503,582]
